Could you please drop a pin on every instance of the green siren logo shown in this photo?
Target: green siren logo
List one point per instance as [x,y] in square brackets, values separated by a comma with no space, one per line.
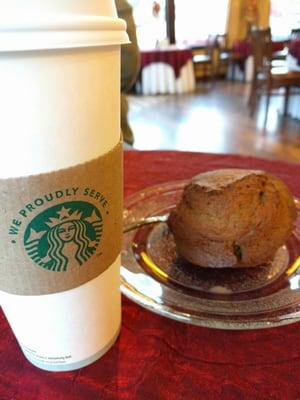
[64,236]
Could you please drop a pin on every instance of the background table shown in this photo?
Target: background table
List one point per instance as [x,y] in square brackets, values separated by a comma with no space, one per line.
[156,358]
[294,52]
[293,63]
[243,49]
[167,70]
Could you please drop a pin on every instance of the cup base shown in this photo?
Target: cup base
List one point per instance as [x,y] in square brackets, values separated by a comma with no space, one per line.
[76,365]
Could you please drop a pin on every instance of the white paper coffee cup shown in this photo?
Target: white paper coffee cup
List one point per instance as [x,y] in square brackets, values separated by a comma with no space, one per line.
[60,106]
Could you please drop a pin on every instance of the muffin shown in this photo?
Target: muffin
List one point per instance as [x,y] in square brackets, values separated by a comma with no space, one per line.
[232,218]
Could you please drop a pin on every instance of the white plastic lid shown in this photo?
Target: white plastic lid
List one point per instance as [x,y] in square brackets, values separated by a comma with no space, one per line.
[56,8]
[52,24]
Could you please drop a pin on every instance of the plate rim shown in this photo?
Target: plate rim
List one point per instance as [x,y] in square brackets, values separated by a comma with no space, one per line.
[175,313]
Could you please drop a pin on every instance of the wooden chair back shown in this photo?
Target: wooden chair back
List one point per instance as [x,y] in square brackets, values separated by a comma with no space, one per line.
[222,42]
[261,42]
[203,58]
[268,78]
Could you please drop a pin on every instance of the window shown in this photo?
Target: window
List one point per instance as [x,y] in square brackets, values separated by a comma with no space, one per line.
[195,20]
[150,27]
[285,15]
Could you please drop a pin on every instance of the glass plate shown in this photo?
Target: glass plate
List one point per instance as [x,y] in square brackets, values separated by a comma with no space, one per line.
[153,276]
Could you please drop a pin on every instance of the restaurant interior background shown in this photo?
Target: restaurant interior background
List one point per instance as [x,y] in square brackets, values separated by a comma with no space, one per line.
[187,332]
[212,116]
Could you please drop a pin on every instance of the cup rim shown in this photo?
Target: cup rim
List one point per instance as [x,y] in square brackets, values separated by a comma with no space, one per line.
[63,22]
[51,32]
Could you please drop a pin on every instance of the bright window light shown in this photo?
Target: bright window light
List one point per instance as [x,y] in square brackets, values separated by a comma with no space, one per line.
[195,20]
[285,15]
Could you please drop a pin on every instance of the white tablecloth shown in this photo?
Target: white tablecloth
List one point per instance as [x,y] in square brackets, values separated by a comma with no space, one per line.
[294,101]
[159,78]
[240,75]
[292,63]
[294,106]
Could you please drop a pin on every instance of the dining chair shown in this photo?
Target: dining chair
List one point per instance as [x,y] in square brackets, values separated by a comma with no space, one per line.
[228,58]
[204,59]
[295,33]
[267,79]
[279,48]
[223,55]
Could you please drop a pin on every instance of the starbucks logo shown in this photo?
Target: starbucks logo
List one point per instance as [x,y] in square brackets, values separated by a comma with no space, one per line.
[64,236]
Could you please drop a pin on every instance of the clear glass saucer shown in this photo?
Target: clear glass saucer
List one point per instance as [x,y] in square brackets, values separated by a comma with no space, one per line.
[155,277]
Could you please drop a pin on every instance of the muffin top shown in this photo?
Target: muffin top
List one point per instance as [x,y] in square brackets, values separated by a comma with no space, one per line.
[232,217]
[220,178]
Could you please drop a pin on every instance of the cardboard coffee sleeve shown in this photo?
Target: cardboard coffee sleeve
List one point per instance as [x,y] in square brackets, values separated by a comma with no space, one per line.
[57,228]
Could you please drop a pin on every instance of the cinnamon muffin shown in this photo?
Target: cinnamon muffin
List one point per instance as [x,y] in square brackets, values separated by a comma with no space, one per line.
[232,218]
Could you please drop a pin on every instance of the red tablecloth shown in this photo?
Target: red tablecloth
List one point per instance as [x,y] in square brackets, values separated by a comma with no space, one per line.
[294,49]
[176,58]
[244,48]
[156,358]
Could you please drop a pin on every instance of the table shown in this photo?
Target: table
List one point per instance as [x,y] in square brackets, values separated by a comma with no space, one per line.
[167,70]
[293,63]
[243,49]
[294,51]
[156,358]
